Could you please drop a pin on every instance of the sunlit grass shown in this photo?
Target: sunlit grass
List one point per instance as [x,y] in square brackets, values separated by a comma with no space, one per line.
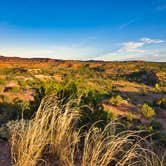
[52,138]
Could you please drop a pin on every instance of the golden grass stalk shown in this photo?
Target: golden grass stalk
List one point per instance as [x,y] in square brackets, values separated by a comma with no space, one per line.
[51,138]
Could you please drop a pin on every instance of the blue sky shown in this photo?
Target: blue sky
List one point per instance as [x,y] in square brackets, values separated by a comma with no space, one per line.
[84,29]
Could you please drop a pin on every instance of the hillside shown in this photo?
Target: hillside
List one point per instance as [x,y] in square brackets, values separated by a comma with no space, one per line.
[131,92]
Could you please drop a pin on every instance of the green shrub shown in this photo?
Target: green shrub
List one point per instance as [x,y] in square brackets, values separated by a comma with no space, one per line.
[50,87]
[68,90]
[91,99]
[147,111]
[116,100]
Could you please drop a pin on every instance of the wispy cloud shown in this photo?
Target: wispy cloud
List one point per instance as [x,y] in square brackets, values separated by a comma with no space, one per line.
[81,51]
[135,50]
[149,41]
[131,46]
[126,24]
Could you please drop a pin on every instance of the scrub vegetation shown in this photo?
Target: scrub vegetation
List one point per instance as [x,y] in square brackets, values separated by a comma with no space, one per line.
[75,113]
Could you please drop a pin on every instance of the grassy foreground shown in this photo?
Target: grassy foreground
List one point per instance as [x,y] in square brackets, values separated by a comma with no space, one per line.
[53,137]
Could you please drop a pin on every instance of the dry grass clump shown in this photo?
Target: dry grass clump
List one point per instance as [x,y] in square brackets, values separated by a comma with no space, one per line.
[107,148]
[52,138]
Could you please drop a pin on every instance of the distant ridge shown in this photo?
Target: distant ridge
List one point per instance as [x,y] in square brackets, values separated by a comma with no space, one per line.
[4,58]
[51,60]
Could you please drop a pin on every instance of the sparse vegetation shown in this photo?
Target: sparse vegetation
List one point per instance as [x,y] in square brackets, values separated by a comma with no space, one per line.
[75,122]
[53,133]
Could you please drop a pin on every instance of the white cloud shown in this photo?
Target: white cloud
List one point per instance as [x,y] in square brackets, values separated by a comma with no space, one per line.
[132,46]
[135,50]
[80,51]
[149,41]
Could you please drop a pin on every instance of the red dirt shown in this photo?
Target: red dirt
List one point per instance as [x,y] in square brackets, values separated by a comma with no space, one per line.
[124,109]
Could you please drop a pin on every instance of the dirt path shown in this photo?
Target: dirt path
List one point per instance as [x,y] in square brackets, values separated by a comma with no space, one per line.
[123,109]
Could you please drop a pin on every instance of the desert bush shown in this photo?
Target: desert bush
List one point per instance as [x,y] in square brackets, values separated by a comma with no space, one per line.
[68,90]
[116,100]
[147,111]
[92,109]
[63,90]
[50,86]
[91,98]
